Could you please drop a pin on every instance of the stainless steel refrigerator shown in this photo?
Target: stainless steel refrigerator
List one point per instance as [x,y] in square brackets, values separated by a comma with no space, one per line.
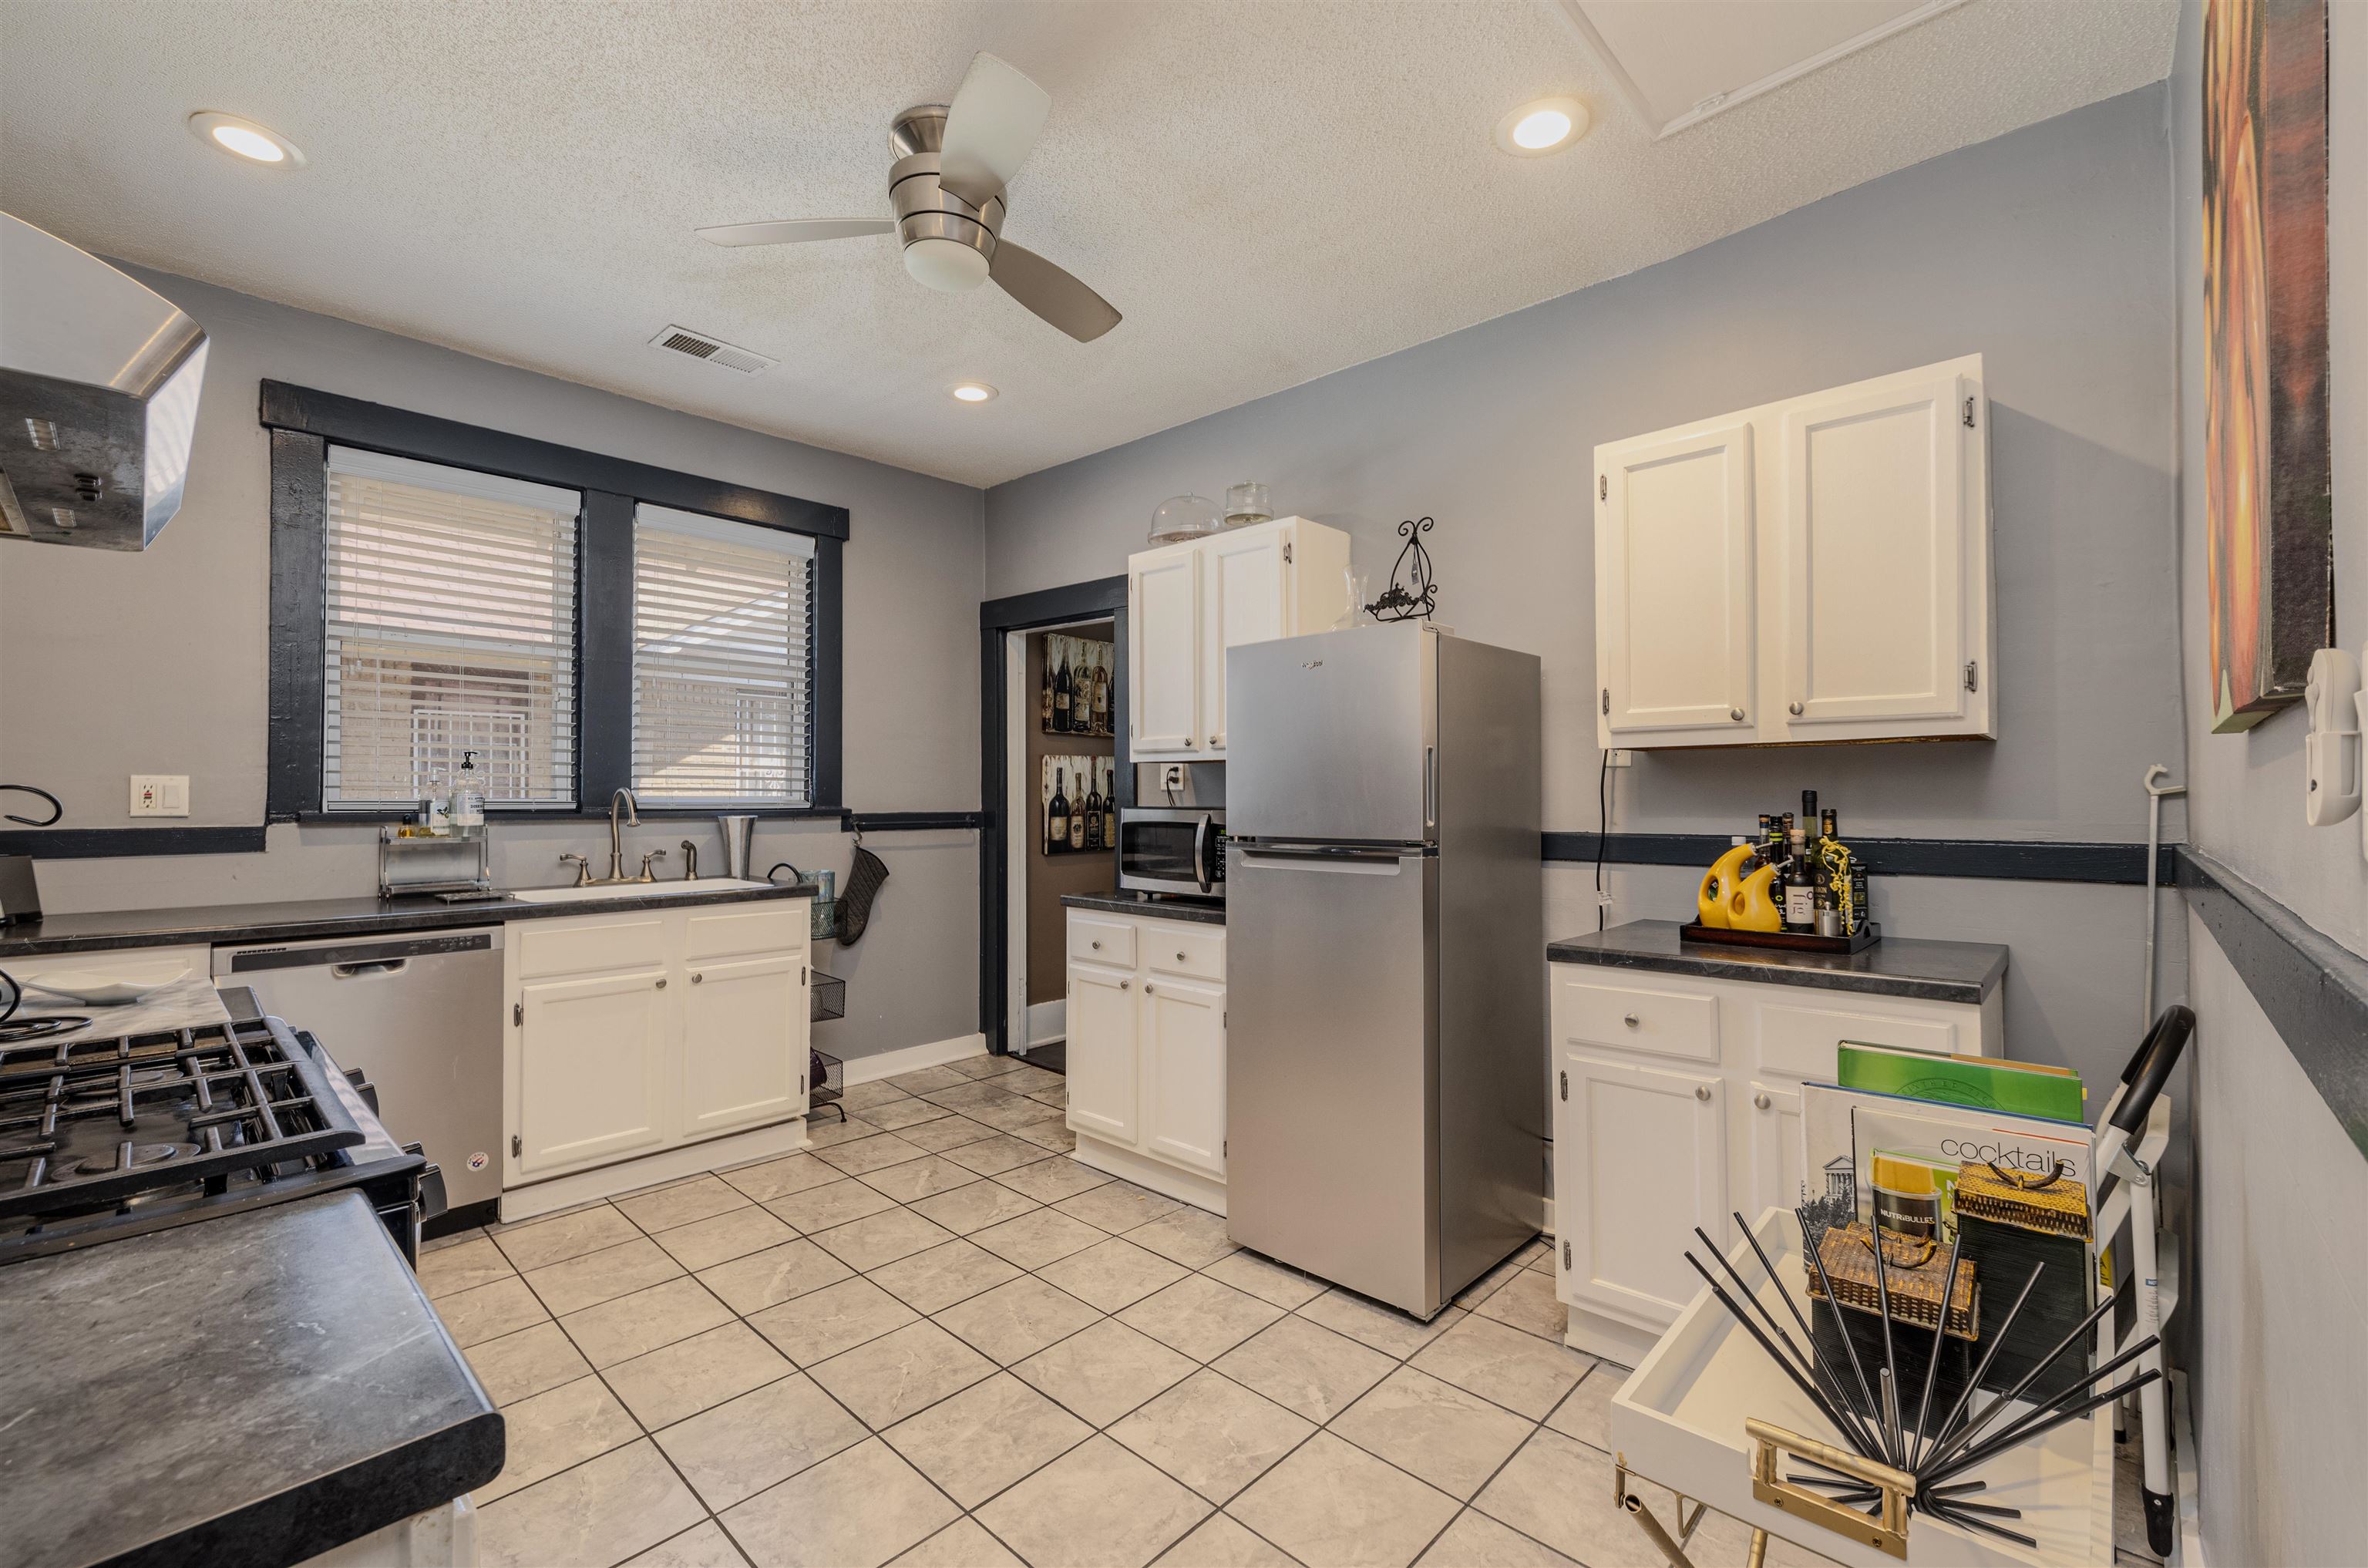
[1385,958]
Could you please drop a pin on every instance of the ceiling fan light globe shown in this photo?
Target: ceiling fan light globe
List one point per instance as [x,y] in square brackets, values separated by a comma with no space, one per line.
[948,266]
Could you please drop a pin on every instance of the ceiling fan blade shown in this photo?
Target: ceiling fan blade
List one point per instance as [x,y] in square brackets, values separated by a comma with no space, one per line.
[1052,293]
[996,115]
[789,231]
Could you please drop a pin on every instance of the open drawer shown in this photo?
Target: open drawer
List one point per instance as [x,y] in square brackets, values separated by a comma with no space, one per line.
[1678,1420]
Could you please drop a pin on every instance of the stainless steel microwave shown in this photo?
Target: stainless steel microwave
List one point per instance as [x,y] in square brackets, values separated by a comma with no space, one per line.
[1172,849]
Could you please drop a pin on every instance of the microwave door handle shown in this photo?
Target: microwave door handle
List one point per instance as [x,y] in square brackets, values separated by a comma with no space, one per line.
[1201,853]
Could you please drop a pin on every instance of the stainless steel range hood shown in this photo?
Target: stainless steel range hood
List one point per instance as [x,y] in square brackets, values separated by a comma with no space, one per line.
[99,396]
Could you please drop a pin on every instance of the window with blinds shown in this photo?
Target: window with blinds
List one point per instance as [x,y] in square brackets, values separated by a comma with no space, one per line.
[723,662]
[450,607]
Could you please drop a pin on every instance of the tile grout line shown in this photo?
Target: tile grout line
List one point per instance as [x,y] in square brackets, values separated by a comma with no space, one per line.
[1094,1428]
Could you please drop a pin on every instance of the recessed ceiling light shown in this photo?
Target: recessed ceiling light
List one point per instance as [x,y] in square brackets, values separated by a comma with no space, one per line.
[974,392]
[1546,126]
[244,139]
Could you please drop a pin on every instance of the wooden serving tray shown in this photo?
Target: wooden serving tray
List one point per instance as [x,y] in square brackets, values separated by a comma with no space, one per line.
[1785,941]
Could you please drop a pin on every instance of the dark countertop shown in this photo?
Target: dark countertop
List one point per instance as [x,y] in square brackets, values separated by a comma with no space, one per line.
[1897,966]
[1210,913]
[308,918]
[244,1392]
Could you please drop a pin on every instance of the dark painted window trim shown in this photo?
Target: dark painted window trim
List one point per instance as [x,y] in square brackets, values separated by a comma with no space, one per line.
[103,843]
[350,422]
[1999,859]
[302,422]
[1049,606]
[2314,990]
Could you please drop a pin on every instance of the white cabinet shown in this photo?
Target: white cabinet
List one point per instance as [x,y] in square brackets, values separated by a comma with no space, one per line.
[1187,603]
[1674,548]
[1184,1072]
[1104,1053]
[591,1065]
[1654,1146]
[1676,1103]
[742,1061]
[1809,571]
[1162,607]
[1147,1047]
[632,1033]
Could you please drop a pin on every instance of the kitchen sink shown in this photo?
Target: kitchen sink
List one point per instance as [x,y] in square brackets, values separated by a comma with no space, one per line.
[635,890]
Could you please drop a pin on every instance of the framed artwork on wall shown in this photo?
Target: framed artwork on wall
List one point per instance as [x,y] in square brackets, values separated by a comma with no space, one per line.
[1075,698]
[2270,522]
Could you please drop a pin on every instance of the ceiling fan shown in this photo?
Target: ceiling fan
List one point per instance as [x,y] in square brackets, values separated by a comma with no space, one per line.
[952,163]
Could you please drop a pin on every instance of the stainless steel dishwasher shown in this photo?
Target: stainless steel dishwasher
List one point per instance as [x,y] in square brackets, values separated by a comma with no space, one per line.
[420,1015]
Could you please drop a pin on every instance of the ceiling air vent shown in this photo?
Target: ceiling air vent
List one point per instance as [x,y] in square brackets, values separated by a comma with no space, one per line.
[682,340]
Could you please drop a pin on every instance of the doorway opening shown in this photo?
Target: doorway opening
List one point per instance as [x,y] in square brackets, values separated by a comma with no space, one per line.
[1065,784]
[1054,777]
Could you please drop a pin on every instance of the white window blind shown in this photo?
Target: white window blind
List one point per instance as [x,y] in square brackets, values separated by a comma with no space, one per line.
[451,628]
[722,661]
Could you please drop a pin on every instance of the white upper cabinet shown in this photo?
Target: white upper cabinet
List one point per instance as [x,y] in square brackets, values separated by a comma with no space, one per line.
[1813,570]
[1674,583]
[1187,603]
[1164,620]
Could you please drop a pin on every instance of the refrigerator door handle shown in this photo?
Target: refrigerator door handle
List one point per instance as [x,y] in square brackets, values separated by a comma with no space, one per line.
[1370,862]
[1429,787]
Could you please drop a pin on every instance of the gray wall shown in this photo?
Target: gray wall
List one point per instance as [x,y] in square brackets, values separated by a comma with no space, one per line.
[2279,1285]
[155,662]
[2046,251]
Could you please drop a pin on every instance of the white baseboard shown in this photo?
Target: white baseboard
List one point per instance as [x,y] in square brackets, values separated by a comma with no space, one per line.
[632,1175]
[1048,1021]
[912,1058]
[1185,1186]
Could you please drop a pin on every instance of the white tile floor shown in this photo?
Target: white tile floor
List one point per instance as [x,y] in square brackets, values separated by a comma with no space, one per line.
[950,1344]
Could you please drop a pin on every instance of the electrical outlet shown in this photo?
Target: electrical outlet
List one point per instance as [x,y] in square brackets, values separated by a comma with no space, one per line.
[1172,777]
[1620,756]
[160,794]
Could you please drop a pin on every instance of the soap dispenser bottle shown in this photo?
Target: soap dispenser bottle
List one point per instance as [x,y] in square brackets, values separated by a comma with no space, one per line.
[467,806]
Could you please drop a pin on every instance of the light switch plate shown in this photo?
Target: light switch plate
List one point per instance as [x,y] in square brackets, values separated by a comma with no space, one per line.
[160,794]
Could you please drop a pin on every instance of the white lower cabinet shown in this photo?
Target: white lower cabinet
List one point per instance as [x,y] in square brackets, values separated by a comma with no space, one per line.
[1105,1053]
[1676,1103]
[632,1033]
[1654,1147]
[591,1069]
[1147,1050]
[1184,1068]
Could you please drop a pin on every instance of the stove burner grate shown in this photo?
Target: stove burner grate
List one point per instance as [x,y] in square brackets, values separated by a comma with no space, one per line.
[88,1124]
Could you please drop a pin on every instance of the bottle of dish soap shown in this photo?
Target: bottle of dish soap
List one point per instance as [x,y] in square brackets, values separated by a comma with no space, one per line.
[467,804]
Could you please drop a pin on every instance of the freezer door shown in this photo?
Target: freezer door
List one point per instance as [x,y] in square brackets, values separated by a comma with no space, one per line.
[1333,736]
[1331,1056]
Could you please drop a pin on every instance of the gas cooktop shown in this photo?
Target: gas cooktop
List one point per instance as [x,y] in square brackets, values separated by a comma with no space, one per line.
[95,1134]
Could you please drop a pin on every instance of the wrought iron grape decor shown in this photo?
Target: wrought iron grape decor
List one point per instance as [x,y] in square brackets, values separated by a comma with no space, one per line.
[1418,595]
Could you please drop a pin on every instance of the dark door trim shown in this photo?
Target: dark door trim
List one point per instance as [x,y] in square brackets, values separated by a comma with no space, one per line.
[1021,612]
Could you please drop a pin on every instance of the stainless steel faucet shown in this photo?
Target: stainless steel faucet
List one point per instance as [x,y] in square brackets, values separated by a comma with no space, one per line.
[616,837]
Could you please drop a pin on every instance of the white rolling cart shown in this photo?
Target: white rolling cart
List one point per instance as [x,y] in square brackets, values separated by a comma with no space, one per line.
[1708,1416]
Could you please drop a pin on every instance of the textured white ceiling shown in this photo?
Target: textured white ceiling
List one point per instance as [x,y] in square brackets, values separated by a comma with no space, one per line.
[1269,191]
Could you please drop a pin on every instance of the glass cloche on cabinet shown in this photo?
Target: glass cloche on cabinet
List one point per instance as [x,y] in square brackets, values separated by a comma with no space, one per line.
[1183,518]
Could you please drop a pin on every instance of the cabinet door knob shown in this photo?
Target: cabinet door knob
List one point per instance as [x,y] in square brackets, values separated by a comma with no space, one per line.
[1146,988]
[1736,714]
[1121,985]
[661,985]
[1179,958]
[1796,710]
[1630,1021]
[1701,1092]
[696,977]
[1761,1101]
[1098,946]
